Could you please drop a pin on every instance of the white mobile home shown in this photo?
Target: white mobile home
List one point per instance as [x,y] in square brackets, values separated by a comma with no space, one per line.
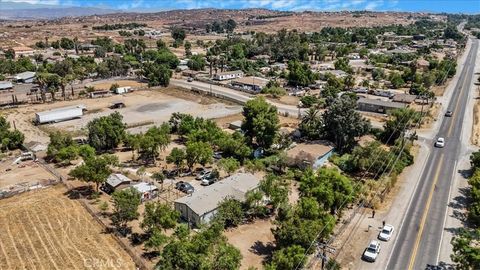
[201,206]
[60,114]
[221,76]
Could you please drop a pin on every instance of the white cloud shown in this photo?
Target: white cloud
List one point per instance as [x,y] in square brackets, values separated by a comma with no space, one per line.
[35,2]
[373,5]
[132,4]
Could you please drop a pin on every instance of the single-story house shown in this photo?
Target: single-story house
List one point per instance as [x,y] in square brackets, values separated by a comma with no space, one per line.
[201,206]
[25,77]
[404,98]
[251,83]
[6,85]
[228,75]
[148,191]
[116,181]
[313,154]
[23,51]
[377,105]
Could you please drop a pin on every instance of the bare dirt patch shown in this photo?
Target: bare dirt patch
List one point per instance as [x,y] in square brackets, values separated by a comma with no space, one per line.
[105,85]
[46,230]
[25,173]
[476,124]
[255,241]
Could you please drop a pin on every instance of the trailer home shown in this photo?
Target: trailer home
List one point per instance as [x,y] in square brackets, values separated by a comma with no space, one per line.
[60,114]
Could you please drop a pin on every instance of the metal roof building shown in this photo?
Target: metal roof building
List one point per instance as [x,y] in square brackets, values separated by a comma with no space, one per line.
[377,105]
[26,77]
[201,206]
[4,85]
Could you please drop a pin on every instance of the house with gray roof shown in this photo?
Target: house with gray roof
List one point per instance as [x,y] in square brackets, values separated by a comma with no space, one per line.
[201,206]
[116,181]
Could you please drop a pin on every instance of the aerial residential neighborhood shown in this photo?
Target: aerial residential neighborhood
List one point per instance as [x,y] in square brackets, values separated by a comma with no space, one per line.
[242,134]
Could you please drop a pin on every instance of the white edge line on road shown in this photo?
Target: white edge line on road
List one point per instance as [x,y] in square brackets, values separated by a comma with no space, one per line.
[446,211]
[408,207]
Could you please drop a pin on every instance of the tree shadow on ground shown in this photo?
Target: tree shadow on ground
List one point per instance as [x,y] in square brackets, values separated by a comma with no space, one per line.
[465,173]
[80,192]
[440,266]
[138,238]
[150,255]
[262,249]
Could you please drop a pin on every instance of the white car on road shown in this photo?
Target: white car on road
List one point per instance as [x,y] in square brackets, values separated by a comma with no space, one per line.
[386,232]
[440,142]
[371,252]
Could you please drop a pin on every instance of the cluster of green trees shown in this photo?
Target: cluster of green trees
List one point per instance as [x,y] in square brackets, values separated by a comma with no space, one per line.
[340,123]
[9,139]
[11,67]
[466,251]
[117,26]
[221,26]
[300,74]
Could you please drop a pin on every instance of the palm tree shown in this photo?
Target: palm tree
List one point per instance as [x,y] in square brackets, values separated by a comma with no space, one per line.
[41,80]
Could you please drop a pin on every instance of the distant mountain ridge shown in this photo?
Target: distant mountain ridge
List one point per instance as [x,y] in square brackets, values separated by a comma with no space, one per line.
[26,11]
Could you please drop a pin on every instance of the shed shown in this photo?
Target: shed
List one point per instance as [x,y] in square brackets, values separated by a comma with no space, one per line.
[250,83]
[6,85]
[148,191]
[25,77]
[377,105]
[116,181]
[404,98]
[201,206]
[313,154]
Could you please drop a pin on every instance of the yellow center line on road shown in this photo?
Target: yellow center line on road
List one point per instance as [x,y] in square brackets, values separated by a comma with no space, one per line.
[424,217]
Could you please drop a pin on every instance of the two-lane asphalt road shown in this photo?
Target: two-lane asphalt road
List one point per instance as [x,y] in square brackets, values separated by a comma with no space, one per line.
[418,241]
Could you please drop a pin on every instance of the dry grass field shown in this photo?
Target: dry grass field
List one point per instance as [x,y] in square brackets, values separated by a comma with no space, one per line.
[47,230]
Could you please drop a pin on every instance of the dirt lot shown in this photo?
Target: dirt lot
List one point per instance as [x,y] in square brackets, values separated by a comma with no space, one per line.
[105,85]
[25,173]
[46,230]
[255,241]
[143,108]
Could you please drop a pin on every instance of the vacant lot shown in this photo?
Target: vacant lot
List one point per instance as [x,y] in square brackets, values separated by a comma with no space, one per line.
[25,173]
[47,230]
[255,241]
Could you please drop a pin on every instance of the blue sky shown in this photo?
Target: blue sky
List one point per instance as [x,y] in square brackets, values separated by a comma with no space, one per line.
[452,6]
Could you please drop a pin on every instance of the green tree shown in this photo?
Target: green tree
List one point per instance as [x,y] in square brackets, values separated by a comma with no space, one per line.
[342,64]
[177,156]
[396,80]
[198,152]
[261,122]
[466,252]
[274,92]
[155,140]
[311,124]
[229,165]
[9,140]
[343,124]
[159,216]
[288,258]
[331,189]
[230,212]
[178,34]
[196,62]
[106,132]
[276,189]
[300,75]
[398,122]
[125,207]
[95,169]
